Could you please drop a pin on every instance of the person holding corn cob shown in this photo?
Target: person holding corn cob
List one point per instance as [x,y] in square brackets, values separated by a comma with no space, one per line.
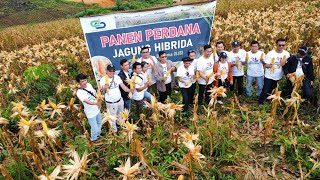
[124,75]
[255,69]
[192,55]
[87,95]
[300,64]
[163,72]
[223,71]
[237,58]
[111,84]
[274,62]
[152,61]
[205,74]
[219,49]
[186,76]
[140,85]
[147,78]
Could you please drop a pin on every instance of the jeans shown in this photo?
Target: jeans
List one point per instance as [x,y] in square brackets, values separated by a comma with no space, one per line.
[164,95]
[147,96]
[250,80]
[187,97]
[127,104]
[203,91]
[95,124]
[306,88]
[239,80]
[268,86]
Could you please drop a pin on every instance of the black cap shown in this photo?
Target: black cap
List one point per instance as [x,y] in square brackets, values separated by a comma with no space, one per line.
[110,67]
[186,59]
[303,50]
[235,43]
[223,55]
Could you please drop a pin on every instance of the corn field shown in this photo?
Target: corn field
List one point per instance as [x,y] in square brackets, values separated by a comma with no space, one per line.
[44,133]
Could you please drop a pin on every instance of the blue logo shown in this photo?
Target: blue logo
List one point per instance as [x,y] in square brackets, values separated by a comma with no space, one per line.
[98,24]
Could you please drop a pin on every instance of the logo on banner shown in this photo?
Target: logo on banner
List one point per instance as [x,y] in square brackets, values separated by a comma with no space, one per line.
[98,24]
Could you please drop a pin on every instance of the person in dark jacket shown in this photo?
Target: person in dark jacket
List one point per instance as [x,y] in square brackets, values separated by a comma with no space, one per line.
[301,64]
[124,75]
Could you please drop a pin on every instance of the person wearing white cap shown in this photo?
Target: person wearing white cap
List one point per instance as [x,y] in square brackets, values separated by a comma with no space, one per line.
[112,96]
[301,64]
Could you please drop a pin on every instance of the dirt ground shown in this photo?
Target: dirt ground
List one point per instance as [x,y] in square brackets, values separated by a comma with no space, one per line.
[104,3]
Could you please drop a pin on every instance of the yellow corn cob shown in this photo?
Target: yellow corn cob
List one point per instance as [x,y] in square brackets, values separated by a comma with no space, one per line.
[273,60]
[53,105]
[262,56]
[130,84]
[149,79]
[133,59]
[45,127]
[210,75]
[187,83]
[197,75]
[283,61]
[134,78]
[214,51]
[43,103]
[129,126]
[168,72]
[247,56]
[237,61]
[25,122]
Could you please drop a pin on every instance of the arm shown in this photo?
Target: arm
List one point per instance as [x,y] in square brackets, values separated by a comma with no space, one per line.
[146,85]
[125,88]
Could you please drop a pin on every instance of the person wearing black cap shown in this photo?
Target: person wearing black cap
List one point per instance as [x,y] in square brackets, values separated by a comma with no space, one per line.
[112,96]
[237,58]
[301,64]
[186,76]
[223,68]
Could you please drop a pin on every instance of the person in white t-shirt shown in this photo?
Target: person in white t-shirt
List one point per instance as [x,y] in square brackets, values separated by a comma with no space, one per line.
[140,86]
[186,76]
[192,55]
[145,67]
[219,50]
[205,68]
[255,69]
[237,59]
[152,61]
[87,95]
[274,61]
[112,96]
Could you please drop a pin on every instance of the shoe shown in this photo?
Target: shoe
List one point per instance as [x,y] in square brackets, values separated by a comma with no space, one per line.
[220,102]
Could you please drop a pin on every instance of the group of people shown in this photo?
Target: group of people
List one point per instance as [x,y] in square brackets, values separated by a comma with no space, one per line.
[216,67]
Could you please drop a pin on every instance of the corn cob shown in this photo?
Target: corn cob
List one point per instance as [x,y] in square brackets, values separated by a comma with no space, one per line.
[262,56]
[45,127]
[214,52]
[187,83]
[283,60]
[133,59]
[149,79]
[273,60]
[168,73]
[25,122]
[247,56]
[134,78]
[197,75]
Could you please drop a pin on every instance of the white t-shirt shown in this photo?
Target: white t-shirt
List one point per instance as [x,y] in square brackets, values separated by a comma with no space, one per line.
[89,110]
[114,90]
[278,72]
[139,82]
[255,67]
[151,60]
[225,68]
[299,71]
[165,70]
[241,55]
[186,75]
[206,66]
